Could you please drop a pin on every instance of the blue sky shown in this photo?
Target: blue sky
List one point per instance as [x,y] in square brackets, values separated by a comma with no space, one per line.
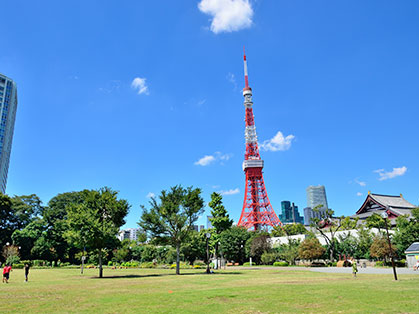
[134,94]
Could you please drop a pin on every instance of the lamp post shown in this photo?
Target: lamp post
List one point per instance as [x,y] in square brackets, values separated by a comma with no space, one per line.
[208,235]
[385,216]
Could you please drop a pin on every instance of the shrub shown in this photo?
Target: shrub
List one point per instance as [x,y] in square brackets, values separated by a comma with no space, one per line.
[182,265]
[18,265]
[110,263]
[199,263]
[198,266]
[283,263]
[379,263]
[248,264]
[148,265]
[268,258]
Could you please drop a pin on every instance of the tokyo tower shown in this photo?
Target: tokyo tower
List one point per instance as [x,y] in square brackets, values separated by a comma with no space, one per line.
[257,212]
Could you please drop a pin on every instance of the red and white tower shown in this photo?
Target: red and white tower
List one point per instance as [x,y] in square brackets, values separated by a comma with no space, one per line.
[257,210]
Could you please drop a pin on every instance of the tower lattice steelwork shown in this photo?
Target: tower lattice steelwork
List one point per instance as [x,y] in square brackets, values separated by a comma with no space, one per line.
[257,211]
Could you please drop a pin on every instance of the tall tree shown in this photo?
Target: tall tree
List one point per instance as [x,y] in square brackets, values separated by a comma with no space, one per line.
[220,219]
[407,231]
[170,220]
[233,243]
[96,222]
[8,220]
[327,226]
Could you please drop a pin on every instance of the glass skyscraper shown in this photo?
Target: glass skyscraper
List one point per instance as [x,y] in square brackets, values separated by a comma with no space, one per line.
[316,195]
[290,213]
[8,106]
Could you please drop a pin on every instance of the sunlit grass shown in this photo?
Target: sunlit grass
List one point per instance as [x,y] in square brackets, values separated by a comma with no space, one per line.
[231,291]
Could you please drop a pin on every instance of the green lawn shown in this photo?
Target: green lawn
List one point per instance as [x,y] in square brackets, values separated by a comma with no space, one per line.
[231,291]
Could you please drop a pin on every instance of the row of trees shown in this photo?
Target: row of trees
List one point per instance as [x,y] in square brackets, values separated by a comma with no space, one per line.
[74,223]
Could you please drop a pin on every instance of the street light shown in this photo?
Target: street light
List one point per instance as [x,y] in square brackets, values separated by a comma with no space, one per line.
[385,217]
[208,235]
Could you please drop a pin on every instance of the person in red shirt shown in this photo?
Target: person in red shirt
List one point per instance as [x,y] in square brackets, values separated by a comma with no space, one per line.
[6,272]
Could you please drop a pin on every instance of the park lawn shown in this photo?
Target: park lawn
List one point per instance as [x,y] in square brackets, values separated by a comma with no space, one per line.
[272,290]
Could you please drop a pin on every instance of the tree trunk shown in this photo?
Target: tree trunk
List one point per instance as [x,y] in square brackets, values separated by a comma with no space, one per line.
[177,258]
[100,264]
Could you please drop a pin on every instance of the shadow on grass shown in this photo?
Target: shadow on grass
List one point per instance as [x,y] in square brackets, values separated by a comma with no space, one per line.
[163,275]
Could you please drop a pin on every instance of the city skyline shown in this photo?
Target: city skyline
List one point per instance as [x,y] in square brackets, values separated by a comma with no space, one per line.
[140,99]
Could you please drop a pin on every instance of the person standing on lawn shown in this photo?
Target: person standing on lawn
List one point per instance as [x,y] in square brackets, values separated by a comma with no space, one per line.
[354,268]
[26,272]
[6,272]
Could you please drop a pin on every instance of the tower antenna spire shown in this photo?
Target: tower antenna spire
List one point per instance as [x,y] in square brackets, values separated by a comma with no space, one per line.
[246,78]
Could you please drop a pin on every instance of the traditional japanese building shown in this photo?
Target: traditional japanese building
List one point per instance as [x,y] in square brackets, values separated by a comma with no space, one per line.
[378,203]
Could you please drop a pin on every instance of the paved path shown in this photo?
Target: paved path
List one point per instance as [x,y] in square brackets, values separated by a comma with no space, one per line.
[338,270]
[368,270]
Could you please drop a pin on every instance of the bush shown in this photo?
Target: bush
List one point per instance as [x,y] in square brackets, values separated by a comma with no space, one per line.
[110,263]
[148,265]
[268,258]
[283,263]
[39,262]
[198,267]
[379,264]
[18,265]
[182,265]
[248,264]
[199,263]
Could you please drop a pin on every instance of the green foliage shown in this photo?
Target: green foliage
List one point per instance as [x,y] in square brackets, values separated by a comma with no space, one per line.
[220,219]
[268,258]
[96,222]
[407,232]
[8,221]
[233,242]
[282,263]
[288,230]
[288,252]
[380,248]
[11,254]
[376,221]
[171,220]
[194,247]
[247,264]
[310,249]
[258,246]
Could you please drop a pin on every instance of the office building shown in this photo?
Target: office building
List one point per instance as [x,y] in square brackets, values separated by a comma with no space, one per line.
[290,213]
[209,224]
[8,106]
[131,234]
[316,195]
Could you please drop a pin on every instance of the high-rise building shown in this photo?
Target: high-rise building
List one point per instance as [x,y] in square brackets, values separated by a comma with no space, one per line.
[8,106]
[290,213]
[316,195]
[209,224]
[131,234]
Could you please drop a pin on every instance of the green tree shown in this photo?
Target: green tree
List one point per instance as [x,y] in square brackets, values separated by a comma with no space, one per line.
[288,230]
[233,242]
[220,219]
[8,221]
[194,247]
[260,245]
[171,220]
[27,237]
[26,208]
[327,226]
[289,252]
[364,242]
[380,248]
[96,221]
[310,249]
[376,221]
[407,231]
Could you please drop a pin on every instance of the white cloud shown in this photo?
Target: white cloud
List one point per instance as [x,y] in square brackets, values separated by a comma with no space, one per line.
[208,159]
[384,175]
[150,195]
[278,142]
[359,194]
[227,15]
[230,192]
[140,85]
[361,183]
[205,161]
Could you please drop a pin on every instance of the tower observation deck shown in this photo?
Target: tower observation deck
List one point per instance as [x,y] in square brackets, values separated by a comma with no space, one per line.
[257,212]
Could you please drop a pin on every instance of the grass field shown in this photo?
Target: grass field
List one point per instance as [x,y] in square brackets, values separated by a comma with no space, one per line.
[270,290]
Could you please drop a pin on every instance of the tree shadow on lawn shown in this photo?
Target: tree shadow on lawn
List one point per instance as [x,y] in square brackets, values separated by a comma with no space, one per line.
[162,275]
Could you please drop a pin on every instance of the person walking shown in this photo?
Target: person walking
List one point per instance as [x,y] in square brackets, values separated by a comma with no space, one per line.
[354,268]
[26,271]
